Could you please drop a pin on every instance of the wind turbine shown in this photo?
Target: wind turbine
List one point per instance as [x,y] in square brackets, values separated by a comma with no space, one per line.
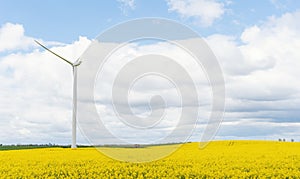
[74,114]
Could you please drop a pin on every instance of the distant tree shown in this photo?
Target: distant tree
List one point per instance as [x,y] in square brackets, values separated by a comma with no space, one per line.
[292,140]
[283,140]
[279,140]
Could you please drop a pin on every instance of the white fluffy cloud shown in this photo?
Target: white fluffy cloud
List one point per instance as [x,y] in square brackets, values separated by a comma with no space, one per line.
[204,11]
[262,76]
[35,90]
[261,69]
[12,37]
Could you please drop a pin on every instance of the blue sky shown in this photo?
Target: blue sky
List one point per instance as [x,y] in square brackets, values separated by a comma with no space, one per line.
[256,43]
[64,21]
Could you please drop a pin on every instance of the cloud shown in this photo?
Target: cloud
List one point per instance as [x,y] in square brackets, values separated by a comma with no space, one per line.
[263,130]
[203,11]
[261,69]
[126,4]
[12,38]
[35,93]
[142,90]
[282,4]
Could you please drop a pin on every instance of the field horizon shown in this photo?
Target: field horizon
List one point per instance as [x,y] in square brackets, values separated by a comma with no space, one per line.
[53,145]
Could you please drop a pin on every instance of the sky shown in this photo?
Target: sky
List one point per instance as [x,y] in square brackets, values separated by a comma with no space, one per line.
[256,44]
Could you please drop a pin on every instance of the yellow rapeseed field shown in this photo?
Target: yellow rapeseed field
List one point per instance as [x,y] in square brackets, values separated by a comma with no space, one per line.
[223,159]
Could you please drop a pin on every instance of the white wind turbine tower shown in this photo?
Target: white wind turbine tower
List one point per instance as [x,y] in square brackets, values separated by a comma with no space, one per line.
[74,67]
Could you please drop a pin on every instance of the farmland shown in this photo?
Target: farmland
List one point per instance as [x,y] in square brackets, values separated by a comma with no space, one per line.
[225,159]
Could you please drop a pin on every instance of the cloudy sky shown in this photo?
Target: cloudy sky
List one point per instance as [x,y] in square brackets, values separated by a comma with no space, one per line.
[256,43]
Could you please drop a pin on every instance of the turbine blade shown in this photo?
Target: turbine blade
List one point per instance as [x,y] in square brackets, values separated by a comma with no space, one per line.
[54,53]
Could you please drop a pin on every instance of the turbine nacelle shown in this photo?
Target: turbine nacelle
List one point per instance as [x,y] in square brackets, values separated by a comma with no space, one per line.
[77,63]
